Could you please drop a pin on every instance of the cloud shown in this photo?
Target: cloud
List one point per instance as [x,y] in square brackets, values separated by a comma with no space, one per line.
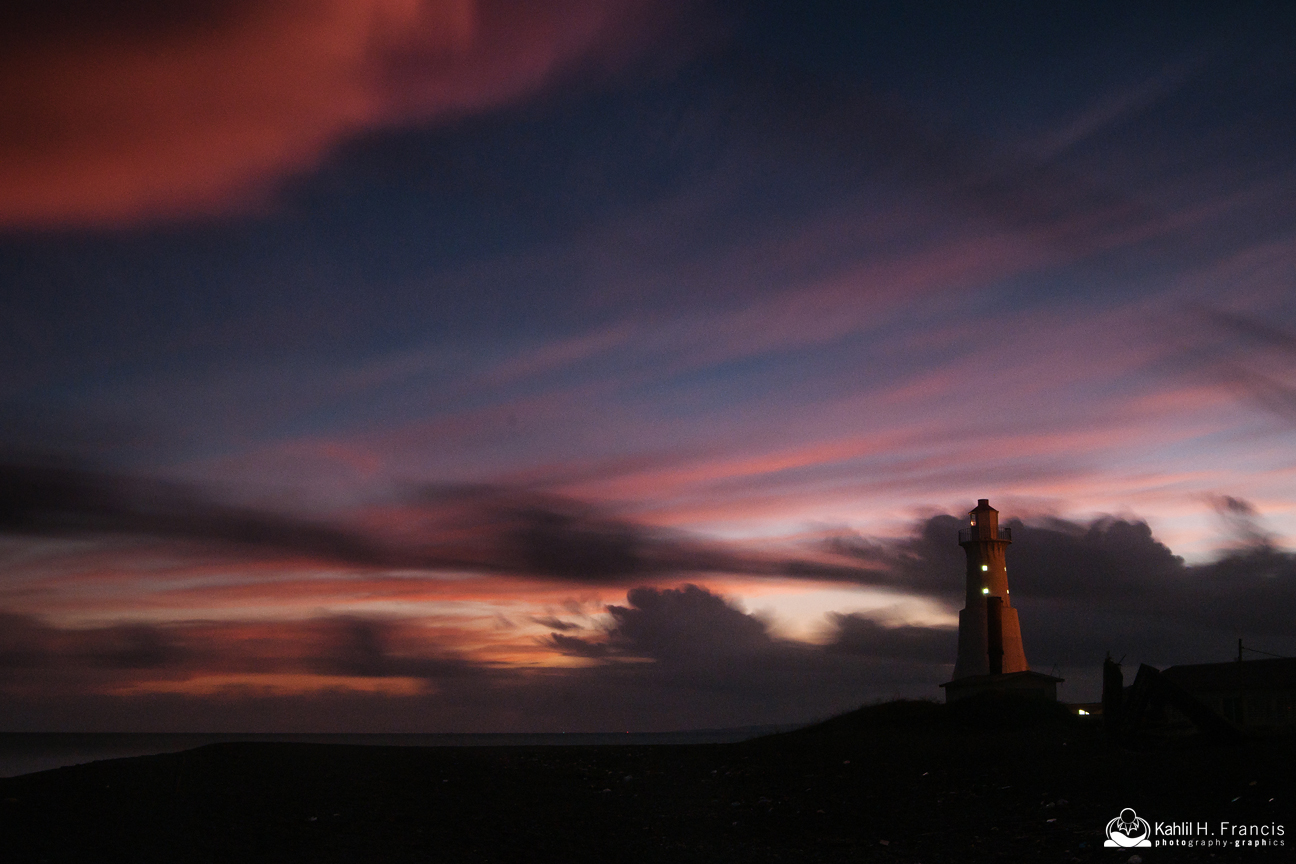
[331,646]
[1242,521]
[671,658]
[675,657]
[368,648]
[27,644]
[687,624]
[476,529]
[1253,358]
[127,111]
[695,654]
[556,623]
[1084,589]
[60,497]
[857,634]
[577,647]
[699,638]
[1107,564]
[1115,108]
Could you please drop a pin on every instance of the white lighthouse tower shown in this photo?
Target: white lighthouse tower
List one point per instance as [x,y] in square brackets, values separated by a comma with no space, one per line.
[990,652]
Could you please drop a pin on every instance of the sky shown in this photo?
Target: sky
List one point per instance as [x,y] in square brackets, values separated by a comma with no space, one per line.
[489,366]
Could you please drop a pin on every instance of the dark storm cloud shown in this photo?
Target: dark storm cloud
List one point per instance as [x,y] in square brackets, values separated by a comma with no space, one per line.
[577,647]
[553,536]
[670,658]
[1108,558]
[1083,588]
[921,563]
[335,645]
[558,538]
[29,644]
[691,652]
[688,624]
[857,634]
[1052,558]
[701,636]
[575,541]
[1086,589]
[365,647]
[491,529]
[59,497]
[687,656]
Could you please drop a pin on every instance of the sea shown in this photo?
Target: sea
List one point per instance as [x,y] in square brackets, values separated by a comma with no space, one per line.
[30,752]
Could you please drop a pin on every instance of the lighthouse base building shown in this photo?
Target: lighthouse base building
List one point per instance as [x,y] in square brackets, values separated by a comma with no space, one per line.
[990,653]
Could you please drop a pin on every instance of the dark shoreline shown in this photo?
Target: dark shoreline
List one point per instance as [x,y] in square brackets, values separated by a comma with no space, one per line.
[29,752]
[902,782]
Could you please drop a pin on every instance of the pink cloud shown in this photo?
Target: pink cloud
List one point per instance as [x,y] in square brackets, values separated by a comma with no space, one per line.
[199,111]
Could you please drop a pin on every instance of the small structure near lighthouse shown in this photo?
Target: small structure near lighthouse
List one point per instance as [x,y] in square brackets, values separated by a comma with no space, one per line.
[990,653]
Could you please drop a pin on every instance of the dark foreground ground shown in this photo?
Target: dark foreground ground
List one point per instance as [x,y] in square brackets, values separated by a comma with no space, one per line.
[900,782]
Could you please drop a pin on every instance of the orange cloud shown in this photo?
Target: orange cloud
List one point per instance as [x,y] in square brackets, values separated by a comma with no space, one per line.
[275,684]
[176,109]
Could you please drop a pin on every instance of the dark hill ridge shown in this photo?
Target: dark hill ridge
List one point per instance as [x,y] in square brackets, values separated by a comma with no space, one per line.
[904,781]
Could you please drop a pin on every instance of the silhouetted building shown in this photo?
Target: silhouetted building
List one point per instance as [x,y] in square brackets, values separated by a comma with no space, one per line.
[1252,694]
[990,653]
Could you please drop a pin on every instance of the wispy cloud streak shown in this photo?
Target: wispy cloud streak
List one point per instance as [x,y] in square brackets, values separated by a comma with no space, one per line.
[477,529]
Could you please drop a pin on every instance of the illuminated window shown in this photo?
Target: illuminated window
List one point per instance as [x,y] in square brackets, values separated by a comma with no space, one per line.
[985,590]
[985,568]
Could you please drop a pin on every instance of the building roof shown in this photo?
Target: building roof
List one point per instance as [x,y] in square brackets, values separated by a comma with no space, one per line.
[1277,674]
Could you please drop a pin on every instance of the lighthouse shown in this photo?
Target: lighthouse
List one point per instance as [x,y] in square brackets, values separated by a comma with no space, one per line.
[990,652]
